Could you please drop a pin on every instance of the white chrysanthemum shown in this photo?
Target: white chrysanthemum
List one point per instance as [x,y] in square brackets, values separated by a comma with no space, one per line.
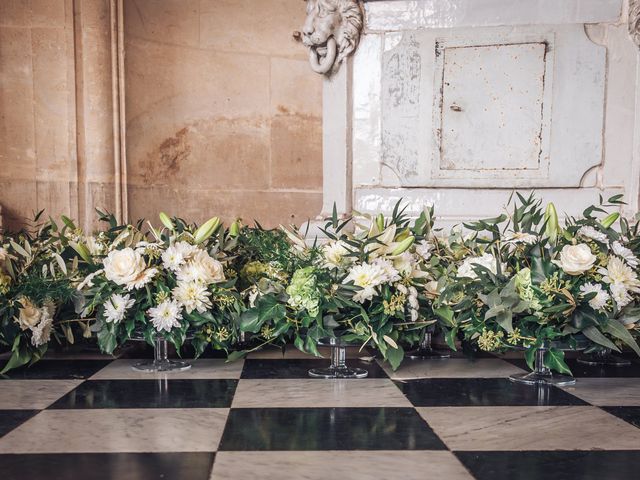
[143,279]
[590,232]
[166,316]
[390,273]
[600,300]
[172,258]
[620,294]
[424,250]
[116,307]
[334,254]
[625,253]
[486,260]
[521,237]
[618,272]
[365,294]
[193,296]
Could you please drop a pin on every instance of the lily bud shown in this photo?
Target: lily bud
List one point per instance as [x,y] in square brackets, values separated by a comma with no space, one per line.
[166,221]
[403,246]
[82,251]
[551,217]
[403,234]
[610,219]
[206,230]
[380,222]
[234,229]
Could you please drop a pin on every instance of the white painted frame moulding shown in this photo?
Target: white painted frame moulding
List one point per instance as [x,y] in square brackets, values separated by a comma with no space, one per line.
[341,97]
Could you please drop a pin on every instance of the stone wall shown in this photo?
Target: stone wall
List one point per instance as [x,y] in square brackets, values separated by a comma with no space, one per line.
[222,114]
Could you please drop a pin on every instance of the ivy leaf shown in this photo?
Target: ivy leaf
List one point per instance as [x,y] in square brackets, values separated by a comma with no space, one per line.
[249,321]
[395,356]
[554,359]
[236,355]
[530,356]
[445,314]
[107,340]
[450,338]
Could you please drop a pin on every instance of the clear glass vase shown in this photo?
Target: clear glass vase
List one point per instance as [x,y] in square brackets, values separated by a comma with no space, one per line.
[425,349]
[603,358]
[161,362]
[542,374]
[338,367]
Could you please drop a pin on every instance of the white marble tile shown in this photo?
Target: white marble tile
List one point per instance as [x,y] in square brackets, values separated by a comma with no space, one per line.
[122,430]
[307,392]
[620,392]
[291,353]
[204,368]
[351,465]
[451,368]
[33,394]
[531,428]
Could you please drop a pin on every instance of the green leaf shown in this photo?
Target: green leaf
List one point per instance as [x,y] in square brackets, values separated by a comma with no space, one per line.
[18,358]
[250,321]
[445,314]
[554,359]
[450,338]
[530,356]
[395,356]
[618,330]
[593,334]
[236,355]
[107,340]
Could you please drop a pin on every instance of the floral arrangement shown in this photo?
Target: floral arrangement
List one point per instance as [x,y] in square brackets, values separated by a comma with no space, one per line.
[517,281]
[34,287]
[521,281]
[363,285]
[170,283]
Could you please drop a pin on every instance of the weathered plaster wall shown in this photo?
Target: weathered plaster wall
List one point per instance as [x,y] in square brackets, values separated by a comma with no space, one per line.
[37,108]
[223,114]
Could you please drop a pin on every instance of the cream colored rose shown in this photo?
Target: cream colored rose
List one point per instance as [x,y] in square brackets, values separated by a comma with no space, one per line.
[124,267]
[576,259]
[202,268]
[29,315]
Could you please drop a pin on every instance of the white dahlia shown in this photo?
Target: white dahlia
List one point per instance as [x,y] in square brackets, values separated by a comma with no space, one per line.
[600,300]
[116,307]
[192,296]
[590,232]
[625,253]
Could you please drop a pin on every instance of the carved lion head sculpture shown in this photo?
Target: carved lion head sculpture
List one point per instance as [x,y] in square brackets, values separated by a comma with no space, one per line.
[331,31]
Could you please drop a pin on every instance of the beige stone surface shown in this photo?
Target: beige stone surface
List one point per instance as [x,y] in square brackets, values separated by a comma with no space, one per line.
[222,111]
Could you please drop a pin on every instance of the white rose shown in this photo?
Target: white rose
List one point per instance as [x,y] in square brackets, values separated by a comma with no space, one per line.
[576,259]
[202,268]
[124,267]
[29,315]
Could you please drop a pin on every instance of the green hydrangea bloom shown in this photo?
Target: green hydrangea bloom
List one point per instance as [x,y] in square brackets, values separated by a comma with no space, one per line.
[303,291]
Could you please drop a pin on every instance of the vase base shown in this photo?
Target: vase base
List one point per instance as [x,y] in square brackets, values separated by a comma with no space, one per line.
[151,366]
[535,378]
[427,354]
[332,372]
[608,360]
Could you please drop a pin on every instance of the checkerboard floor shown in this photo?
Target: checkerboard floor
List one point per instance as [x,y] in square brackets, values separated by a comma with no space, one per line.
[264,418]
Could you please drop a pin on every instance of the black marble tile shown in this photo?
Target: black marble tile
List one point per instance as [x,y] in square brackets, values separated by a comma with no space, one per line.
[328,429]
[107,466]
[629,414]
[299,367]
[57,370]
[552,465]
[580,370]
[160,393]
[10,419]
[471,392]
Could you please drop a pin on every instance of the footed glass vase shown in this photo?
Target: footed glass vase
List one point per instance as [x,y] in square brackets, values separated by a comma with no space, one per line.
[338,367]
[542,375]
[603,358]
[425,349]
[161,362]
